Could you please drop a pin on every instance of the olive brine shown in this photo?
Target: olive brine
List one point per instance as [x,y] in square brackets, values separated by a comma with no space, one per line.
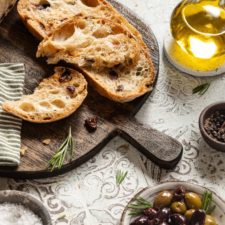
[174,207]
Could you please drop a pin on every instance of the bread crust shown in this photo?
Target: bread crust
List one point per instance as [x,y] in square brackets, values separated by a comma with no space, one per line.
[55,98]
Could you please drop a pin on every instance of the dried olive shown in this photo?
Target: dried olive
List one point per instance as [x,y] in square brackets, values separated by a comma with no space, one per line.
[209,220]
[163,199]
[189,213]
[155,221]
[65,76]
[142,220]
[193,200]
[120,88]
[113,74]
[177,219]
[71,89]
[150,213]
[198,217]
[163,214]
[91,123]
[179,194]
[179,207]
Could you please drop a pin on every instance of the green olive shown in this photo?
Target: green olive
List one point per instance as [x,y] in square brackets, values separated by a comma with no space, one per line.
[189,213]
[193,200]
[179,207]
[163,199]
[209,220]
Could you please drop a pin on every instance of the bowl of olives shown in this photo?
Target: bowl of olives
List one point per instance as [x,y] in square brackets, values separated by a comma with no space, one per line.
[175,203]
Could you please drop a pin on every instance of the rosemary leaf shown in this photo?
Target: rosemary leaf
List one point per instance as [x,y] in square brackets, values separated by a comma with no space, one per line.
[207,199]
[61,217]
[137,207]
[120,176]
[66,149]
[201,89]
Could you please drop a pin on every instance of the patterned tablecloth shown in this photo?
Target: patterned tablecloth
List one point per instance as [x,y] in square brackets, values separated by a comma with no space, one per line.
[88,195]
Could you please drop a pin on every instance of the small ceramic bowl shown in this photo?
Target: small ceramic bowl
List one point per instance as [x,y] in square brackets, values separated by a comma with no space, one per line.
[18,197]
[207,112]
[150,193]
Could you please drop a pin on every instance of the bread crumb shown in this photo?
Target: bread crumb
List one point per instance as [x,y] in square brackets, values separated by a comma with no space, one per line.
[23,150]
[46,141]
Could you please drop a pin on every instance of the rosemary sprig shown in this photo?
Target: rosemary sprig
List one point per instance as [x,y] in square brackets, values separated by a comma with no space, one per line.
[120,176]
[62,153]
[207,202]
[201,89]
[138,206]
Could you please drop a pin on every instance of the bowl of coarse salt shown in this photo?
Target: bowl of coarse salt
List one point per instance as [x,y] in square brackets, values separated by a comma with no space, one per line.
[19,208]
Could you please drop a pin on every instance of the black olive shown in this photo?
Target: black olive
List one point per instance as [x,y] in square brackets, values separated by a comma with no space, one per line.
[177,219]
[142,220]
[155,221]
[150,213]
[163,214]
[198,217]
[179,194]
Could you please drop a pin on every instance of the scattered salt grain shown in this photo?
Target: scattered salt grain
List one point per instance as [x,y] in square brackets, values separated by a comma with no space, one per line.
[15,214]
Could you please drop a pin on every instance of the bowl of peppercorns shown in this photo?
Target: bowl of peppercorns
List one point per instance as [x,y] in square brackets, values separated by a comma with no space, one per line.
[212,125]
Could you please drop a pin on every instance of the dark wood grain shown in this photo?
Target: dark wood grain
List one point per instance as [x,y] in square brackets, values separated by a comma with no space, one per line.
[18,45]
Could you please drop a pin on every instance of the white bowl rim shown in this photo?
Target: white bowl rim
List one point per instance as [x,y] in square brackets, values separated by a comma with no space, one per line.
[172,183]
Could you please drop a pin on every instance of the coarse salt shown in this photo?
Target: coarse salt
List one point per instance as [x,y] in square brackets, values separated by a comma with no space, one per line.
[16,214]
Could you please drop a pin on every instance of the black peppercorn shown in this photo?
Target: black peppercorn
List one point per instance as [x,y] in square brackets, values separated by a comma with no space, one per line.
[215,126]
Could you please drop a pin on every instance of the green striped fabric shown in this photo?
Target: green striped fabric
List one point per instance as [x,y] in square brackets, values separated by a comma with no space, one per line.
[11,88]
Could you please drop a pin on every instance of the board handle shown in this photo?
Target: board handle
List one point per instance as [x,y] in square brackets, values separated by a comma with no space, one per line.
[160,148]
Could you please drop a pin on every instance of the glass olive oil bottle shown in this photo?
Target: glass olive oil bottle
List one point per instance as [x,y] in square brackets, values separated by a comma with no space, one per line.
[198,26]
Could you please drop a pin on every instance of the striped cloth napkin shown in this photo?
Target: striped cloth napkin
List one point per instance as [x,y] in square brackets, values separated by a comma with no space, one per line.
[11,88]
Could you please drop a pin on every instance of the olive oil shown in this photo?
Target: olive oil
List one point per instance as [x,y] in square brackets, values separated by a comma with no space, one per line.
[198,26]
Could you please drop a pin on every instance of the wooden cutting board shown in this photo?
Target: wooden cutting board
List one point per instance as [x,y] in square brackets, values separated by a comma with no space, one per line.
[18,45]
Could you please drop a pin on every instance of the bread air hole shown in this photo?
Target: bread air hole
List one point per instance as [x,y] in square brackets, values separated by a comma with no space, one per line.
[115,42]
[68,31]
[43,4]
[76,85]
[27,107]
[58,103]
[70,2]
[101,33]
[117,30]
[90,3]
[81,24]
[45,104]
[54,92]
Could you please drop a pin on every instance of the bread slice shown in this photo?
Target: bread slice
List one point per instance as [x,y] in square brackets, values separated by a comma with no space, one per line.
[55,98]
[119,83]
[43,16]
[86,41]
[123,84]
